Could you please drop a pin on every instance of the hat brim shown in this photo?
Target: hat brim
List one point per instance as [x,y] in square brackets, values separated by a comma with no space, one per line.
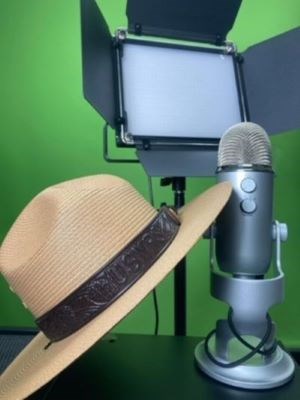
[36,365]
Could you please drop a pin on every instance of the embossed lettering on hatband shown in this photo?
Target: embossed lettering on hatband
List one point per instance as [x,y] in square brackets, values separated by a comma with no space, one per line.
[108,284]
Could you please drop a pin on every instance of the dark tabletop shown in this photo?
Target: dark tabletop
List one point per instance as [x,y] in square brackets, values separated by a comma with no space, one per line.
[139,367]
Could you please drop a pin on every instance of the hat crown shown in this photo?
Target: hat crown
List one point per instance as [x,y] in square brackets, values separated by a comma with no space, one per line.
[67,233]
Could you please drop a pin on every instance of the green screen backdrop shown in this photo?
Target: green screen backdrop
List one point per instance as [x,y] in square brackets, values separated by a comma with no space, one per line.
[49,133]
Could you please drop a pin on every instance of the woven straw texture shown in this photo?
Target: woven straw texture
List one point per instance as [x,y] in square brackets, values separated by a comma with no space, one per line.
[64,236]
[79,224]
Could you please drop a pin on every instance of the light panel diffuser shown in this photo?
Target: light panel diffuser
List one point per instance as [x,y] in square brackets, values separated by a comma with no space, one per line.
[178,92]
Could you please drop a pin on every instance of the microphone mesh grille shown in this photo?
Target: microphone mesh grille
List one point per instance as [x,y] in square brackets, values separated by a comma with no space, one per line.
[245,143]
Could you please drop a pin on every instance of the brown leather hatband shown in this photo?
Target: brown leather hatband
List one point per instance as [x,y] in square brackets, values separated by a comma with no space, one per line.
[109,283]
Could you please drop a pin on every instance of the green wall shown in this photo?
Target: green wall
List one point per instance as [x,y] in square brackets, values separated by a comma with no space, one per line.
[48,133]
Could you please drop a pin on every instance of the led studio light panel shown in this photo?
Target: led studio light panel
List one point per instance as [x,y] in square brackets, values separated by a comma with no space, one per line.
[178,92]
[178,100]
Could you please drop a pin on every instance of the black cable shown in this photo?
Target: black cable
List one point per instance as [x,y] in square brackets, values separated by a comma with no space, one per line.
[156,309]
[150,189]
[156,312]
[248,356]
[244,342]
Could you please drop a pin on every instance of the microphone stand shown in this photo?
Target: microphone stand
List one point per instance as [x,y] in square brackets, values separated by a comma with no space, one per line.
[249,300]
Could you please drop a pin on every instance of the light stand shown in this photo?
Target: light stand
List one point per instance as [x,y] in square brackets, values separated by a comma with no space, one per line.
[178,187]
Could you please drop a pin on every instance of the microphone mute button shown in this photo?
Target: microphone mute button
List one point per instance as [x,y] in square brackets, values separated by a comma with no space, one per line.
[248,206]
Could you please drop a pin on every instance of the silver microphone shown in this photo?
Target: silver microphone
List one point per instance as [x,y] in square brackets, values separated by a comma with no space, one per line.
[244,228]
[243,242]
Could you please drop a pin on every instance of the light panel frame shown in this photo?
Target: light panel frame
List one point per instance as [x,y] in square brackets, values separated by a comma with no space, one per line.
[127,137]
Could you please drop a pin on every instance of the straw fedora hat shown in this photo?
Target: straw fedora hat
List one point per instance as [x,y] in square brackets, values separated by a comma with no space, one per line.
[81,256]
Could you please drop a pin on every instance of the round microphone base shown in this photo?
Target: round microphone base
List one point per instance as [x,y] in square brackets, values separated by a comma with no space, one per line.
[272,372]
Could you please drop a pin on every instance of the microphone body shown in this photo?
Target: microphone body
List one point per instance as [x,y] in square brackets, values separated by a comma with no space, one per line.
[244,228]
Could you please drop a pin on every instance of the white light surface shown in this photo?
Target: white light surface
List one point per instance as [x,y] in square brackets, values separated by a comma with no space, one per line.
[178,93]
